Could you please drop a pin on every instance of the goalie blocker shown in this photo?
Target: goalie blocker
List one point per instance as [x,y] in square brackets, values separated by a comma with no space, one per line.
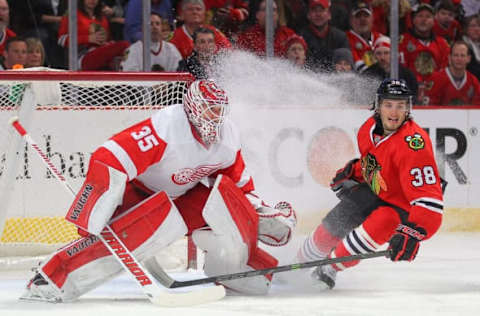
[153,223]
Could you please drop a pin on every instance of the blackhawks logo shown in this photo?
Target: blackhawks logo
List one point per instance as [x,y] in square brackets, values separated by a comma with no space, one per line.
[371,173]
[415,142]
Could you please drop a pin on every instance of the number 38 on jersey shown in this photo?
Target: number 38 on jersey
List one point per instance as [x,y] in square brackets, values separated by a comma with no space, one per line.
[421,176]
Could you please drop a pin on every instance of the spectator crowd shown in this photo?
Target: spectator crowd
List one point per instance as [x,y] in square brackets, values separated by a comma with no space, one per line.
[439,45]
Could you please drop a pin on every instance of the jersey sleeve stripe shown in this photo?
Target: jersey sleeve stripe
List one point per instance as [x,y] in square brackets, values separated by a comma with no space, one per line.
[430,204]
[123,157]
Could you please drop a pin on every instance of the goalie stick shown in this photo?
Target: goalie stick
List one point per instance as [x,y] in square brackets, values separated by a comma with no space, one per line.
[130,264]
[168,282]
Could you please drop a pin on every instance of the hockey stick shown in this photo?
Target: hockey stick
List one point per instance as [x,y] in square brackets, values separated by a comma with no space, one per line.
[171,283]
[130,264]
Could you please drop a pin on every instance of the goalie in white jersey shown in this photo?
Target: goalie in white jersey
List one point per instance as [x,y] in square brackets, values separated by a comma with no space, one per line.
[189,154]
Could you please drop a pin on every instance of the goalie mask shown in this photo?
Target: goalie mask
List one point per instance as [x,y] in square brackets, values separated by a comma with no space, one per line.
[394,89]
[206,106]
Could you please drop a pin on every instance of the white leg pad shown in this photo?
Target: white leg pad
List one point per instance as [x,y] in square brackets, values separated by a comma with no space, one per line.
[81,266]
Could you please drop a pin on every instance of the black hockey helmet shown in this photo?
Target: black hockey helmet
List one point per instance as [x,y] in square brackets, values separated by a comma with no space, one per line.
[393,89]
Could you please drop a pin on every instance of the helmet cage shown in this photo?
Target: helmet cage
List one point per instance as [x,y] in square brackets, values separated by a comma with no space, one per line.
[206,106]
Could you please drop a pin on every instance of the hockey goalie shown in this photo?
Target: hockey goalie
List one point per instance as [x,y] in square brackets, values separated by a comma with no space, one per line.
[178,172]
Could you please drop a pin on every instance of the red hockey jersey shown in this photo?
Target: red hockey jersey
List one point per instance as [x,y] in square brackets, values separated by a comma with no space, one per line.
[362,50]
[401,170]
[423,57]
[445,91]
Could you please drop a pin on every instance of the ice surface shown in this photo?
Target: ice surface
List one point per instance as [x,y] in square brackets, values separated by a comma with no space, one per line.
[443,280]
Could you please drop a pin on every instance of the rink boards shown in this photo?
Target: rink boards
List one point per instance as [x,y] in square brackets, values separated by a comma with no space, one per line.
[291,152]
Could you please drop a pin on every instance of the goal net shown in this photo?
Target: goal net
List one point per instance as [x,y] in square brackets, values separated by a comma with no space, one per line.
[69,114]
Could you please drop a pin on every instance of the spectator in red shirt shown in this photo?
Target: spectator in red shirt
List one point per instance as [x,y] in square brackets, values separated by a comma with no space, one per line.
[421,51]
[445,23]
[253,38]
[361,37]
[95,50]
[193,16]
[5,32]
[455,85]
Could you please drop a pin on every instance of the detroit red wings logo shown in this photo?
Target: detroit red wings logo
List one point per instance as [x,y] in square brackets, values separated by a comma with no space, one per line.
[188,175]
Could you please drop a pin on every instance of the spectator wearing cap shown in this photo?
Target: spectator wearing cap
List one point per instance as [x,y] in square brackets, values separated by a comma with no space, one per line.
[455,85]
[322,38]
[472,38]
[361,37]
[381,69]
[5,32]
[193,16]
[445,23]
[253,38]
[343,60]
[295,50]
[420,50]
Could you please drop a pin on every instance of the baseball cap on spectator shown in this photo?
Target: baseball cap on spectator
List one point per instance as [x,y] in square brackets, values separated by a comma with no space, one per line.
[421,7]
[382,41]
[323,3]
[360,6]
[291,40]
[345,54]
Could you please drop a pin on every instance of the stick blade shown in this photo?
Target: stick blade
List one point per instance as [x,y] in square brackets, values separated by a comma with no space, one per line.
[194,297]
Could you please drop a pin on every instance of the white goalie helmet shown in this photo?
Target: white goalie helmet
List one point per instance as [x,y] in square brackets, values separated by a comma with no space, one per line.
[206,105]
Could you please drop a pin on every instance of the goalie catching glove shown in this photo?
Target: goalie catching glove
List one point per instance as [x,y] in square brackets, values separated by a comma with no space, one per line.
[405,243]
[276,224]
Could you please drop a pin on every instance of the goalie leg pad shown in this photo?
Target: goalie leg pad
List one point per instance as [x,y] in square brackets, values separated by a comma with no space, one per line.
[98,198]
[86,263]
[231,242]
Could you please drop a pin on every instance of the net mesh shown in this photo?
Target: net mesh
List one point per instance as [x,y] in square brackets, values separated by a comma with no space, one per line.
[30,219]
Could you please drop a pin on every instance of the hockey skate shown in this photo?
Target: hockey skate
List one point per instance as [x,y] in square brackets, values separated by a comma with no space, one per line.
[325,277]
[39,289]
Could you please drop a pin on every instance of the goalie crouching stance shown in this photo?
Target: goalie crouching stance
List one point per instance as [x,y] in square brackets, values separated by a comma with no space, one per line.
[179,172]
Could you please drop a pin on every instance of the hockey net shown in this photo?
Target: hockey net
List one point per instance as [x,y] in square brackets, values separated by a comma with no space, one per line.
[69,114]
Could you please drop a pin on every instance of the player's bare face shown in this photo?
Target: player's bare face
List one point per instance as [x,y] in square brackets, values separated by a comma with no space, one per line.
[393,113]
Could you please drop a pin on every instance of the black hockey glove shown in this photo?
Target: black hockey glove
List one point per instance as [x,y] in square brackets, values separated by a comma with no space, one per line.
[405,242]
[343,178]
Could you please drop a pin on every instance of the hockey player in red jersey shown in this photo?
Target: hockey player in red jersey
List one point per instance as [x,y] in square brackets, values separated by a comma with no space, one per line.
[178,172]
[392,193]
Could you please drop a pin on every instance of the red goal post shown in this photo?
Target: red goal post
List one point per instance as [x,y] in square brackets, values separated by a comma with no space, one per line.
[70,114]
